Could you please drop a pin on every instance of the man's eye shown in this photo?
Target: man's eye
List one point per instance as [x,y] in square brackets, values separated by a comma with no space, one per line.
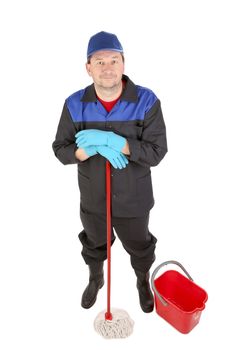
[100,63]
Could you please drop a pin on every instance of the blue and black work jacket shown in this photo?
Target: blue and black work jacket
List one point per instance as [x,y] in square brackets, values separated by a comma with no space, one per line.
[137,116]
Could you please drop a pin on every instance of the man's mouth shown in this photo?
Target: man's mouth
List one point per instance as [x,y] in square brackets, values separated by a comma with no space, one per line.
[108,77]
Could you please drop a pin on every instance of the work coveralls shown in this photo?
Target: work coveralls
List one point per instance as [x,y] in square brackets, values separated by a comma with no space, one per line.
[137,116]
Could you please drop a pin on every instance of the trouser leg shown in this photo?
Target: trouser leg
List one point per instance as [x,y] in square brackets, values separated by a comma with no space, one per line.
[137,241]
[93,236]
[140,244]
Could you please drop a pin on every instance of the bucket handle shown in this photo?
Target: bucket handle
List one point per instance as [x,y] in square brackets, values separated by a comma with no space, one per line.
[155,272]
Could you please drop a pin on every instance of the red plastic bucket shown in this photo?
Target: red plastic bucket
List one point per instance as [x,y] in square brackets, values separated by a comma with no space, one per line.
[178,299]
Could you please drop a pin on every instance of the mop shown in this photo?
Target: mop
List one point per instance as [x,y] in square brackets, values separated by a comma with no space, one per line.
[115,323]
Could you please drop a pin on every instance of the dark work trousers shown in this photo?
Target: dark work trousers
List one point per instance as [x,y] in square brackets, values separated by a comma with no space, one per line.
[133,233]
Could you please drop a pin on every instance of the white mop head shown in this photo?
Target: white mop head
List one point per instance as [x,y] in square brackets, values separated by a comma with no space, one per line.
[121,325]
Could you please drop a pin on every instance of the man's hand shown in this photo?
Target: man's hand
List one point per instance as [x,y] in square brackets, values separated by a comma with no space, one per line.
[117,159]
[93,137]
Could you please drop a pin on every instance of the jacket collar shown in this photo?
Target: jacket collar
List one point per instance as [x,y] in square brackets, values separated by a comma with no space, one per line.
[129,93]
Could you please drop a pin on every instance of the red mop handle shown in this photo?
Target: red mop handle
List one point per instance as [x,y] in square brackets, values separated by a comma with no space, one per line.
[108,315]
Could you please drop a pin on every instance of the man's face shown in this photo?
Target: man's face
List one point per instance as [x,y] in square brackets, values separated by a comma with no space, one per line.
[106,68]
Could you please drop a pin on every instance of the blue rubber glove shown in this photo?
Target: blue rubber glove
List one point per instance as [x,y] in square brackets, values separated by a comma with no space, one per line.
[95,137]
[117,159]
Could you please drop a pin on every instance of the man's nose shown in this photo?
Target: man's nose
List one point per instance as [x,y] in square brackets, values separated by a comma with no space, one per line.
[107,66]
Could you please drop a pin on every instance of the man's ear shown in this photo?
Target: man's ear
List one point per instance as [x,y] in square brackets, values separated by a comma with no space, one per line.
[88,69]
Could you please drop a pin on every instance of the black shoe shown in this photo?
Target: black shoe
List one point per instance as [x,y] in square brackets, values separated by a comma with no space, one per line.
[145,294]
[96,281]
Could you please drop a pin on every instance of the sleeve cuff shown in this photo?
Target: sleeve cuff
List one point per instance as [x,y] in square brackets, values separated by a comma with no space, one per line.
[135,149]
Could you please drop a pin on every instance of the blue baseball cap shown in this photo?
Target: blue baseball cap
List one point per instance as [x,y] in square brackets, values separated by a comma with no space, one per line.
[103,41]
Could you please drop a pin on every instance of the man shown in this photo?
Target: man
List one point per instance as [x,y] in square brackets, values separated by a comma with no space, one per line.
[113,119]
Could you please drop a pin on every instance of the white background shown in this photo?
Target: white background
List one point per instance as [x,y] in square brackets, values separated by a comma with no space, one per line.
[182,50]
